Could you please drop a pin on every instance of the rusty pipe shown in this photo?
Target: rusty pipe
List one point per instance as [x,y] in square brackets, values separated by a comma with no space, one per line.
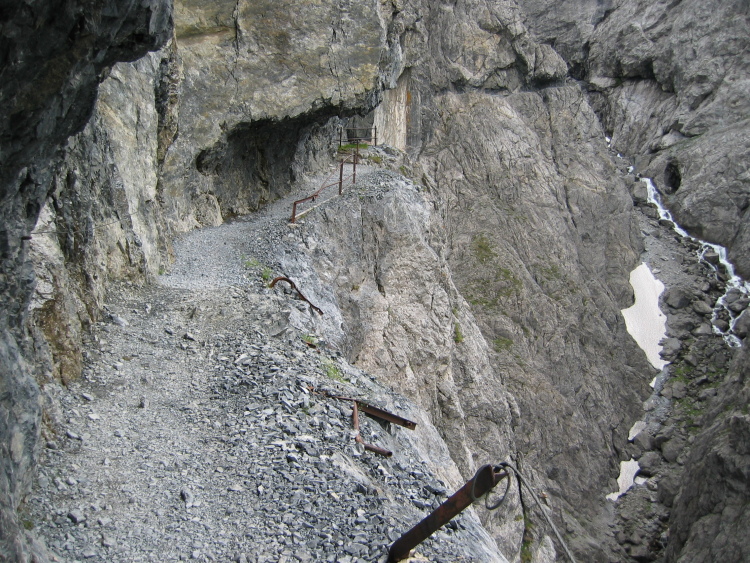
[295,288]
[358,437]
[483,481]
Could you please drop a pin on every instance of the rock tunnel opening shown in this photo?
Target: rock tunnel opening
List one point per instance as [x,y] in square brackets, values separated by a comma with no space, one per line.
[258,162]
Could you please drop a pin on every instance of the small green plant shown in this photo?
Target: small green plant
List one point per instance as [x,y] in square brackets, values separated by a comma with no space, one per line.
[683,373]
[250,263]
[351,146]
[526,555]
[28,524]
[310,340]
[266,273]
[332,371]
[483,250]
[550,272]
[528,540]
[458,336]
[501,344]
[162,270]
[377,159]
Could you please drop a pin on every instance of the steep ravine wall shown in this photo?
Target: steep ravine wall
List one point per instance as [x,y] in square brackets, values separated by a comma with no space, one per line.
[539,238]
[669,80]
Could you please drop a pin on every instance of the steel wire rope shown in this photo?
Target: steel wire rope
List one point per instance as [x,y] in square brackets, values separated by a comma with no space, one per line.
[80,231]
[524,482]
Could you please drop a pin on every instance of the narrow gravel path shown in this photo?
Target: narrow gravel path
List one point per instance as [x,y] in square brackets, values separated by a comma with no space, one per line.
[202,428]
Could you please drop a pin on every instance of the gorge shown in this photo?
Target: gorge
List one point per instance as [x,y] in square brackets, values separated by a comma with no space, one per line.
[472,279]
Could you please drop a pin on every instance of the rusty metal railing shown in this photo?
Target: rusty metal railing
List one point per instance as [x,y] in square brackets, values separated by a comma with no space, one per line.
[353,159]
[370,139]
[485,479]
[482,483]
[295,288]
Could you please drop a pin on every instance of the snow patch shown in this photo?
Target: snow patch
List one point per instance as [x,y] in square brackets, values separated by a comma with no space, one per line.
[644,320]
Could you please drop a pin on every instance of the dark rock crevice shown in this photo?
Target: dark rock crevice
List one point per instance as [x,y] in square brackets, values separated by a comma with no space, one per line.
[259,162]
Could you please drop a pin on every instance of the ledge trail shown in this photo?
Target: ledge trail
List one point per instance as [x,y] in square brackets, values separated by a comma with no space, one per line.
[197,431]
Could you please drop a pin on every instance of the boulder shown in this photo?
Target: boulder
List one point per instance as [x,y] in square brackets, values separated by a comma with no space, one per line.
[649,463]
[702,308]
[742,324]
[678,297]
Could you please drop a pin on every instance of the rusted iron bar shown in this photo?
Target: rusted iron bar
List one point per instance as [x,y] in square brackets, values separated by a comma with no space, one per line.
[295,288]
[380,413]
[483,481]
[358,437]
[313,197]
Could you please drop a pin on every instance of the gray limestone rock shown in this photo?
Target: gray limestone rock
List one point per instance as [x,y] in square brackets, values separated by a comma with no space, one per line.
[678,297]
[55,54]
[742,324]
[717,504]
[486,289]
[649,463]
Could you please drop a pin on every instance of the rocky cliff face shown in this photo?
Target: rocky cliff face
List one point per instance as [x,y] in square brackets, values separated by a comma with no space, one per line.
[668,79]
[538,237]
[48,89]
[710,515]
[488,290]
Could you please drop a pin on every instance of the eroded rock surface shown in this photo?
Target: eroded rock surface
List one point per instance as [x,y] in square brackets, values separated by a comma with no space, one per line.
[669,80]
[53,55]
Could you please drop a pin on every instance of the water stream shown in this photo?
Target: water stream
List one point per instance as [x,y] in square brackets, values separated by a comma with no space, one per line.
[647,324]
[733,281]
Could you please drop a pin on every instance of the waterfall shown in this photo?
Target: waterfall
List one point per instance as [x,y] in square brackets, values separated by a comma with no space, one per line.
[733,281]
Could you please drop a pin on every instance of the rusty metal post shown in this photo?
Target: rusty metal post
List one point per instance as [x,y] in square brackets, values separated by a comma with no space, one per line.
[483,481]
[358,437]
[376,135]
[356,158]
[341,177]
[294,213]
[381,414]
[295,288]
[355,417]
[341,136]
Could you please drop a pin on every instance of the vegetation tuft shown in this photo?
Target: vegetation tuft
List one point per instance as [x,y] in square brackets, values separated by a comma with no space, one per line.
[332,371]
[501,344]
[458,336]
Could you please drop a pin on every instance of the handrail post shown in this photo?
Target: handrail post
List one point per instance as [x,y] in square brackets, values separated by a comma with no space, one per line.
[294,212]
[341,136]
[341,177]
[376,135]
[356,158]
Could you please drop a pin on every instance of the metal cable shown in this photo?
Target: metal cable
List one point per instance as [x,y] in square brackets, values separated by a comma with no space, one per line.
[521,479]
